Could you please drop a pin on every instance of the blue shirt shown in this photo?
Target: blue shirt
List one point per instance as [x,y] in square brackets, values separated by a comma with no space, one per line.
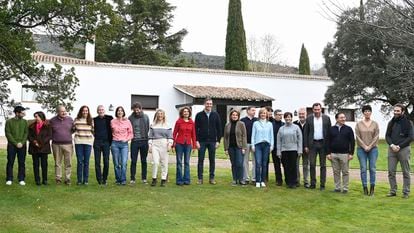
[262,132]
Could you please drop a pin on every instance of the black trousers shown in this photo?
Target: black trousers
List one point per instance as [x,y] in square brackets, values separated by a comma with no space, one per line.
[101,147]
[289,166]
[318,148]
[12,151]
[40,159]
[278,168]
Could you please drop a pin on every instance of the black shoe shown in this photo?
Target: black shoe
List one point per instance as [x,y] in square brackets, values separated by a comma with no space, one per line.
[45,182]
[38,183]
[306,186]
[344,191]
[391,194]
[336,191]
[322,188]
[365,191]
[371,190]
[154,182]
[405,195]
[278,183]
[312,186]
[163,183]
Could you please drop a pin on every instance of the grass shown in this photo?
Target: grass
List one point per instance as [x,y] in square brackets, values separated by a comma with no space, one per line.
[194,208]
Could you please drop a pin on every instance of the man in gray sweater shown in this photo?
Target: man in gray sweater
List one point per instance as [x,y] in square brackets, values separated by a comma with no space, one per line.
[139,144]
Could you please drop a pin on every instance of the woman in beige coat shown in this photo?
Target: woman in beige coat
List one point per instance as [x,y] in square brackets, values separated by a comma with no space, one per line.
[235,144]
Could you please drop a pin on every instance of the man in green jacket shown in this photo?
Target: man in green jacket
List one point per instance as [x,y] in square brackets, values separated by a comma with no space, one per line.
[16,133]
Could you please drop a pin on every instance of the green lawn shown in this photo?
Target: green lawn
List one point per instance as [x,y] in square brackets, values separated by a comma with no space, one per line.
[194,208]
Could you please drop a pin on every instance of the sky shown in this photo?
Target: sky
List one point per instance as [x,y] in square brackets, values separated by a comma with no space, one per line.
[292,22]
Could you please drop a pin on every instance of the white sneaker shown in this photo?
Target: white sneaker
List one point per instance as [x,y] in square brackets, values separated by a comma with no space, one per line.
[257,185]
[262,184]
[9,182]
[22,183]
[132,182]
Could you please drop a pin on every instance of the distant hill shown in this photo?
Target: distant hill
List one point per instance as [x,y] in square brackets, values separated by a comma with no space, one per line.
[194,59]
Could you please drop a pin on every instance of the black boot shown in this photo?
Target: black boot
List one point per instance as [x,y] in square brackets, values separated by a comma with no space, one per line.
[154,182]
[365,191]
[371,190]
[163,183]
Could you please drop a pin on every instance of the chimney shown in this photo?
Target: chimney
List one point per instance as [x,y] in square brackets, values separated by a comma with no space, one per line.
[90,50]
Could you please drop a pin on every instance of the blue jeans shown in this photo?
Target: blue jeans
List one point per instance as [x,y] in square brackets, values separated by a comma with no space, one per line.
[236,159]
[211,147]
[371,156]
[261,155]
[141,147]
[83,154]
[101,147]
[183,150]
[119,151]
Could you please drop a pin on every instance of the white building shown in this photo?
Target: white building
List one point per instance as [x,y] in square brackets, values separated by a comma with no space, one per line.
[168,88]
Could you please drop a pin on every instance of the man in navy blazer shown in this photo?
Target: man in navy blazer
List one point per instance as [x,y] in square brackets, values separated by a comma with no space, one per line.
[316,137]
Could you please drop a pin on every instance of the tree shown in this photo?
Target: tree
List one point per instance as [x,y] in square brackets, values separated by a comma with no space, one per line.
[139,34]
[263,53]
[69,22]
[365,65]
[236,52]
[304,66]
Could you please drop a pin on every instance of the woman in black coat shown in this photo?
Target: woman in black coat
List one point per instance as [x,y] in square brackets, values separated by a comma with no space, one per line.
[40,134]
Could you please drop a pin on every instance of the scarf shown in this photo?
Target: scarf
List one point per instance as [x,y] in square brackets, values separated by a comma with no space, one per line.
[39,126]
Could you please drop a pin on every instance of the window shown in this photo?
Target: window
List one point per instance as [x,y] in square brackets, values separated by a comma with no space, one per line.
[149,102]
[28,95]
[349,114]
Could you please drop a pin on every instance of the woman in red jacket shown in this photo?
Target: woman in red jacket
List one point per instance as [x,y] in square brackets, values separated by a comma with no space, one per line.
[184,140]
[39,137]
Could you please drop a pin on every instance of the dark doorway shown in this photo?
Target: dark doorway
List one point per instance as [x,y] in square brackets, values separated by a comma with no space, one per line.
[222,111]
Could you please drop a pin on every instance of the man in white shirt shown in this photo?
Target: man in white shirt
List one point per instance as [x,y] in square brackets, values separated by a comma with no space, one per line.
[315,138]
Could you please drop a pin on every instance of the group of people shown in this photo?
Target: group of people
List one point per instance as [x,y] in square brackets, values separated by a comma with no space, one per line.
[252,137]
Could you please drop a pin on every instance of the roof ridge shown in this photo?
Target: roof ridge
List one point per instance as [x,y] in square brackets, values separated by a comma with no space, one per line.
[48,58]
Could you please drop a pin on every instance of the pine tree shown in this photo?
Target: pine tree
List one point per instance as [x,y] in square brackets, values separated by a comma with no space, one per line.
[236,52]
[304,67]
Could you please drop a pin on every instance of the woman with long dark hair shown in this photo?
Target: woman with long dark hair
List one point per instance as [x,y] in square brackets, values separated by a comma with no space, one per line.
[83,128]
[235,144]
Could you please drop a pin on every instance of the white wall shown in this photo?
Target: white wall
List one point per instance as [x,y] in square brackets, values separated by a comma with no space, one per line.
[115,85]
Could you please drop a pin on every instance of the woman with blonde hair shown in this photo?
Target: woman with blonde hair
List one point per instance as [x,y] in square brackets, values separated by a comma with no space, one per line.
[262,145]
[160,142]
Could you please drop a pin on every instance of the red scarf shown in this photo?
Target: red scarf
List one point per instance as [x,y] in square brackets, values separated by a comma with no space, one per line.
[39,126]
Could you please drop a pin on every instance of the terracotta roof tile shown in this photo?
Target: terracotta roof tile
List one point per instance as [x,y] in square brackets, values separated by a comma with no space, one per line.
[222,93]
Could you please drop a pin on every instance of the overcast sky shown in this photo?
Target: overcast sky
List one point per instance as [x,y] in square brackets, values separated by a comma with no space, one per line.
[293,22]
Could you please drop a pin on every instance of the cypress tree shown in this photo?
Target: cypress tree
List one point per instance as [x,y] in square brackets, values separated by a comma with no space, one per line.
[304,67]
[236,52]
